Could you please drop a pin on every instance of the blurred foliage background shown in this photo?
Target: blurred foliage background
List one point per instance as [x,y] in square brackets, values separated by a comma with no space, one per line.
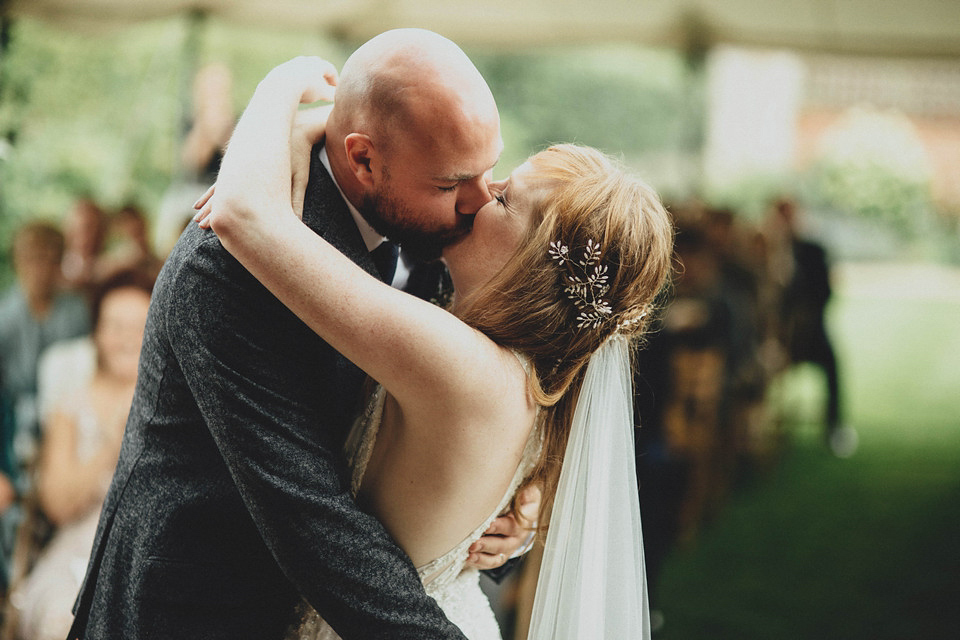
[102,112]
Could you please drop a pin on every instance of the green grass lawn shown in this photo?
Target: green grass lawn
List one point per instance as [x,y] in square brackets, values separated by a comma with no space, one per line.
[865,547]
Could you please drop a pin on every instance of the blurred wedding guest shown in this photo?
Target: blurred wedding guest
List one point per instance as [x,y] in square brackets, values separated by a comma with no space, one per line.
[8,492]
[34,314]
[661,471]
[84,230]
[742,421]
[213,121]
[128,245]
[212,118]
[64,366]
[679,379]
[806,292]
[738,286]
[82,435]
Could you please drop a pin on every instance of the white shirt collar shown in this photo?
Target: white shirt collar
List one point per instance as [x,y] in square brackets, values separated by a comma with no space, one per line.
[371,238]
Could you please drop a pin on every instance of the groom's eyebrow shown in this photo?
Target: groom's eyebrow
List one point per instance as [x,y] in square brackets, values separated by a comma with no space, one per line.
[456,177]
[460,177]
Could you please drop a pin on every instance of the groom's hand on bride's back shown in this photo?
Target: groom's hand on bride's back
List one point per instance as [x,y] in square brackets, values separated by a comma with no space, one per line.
[507,538]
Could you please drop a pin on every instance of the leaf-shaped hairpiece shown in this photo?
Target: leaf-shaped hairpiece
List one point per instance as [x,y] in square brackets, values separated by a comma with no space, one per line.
[587,285]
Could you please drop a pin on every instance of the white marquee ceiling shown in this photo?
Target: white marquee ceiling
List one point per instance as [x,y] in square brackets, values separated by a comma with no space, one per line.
[874,27]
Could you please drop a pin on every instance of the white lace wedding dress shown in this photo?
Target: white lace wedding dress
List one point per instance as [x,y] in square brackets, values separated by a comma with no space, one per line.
[455,587]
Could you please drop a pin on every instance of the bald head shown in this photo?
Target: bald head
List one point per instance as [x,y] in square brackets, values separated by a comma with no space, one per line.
[411,81]
[413,137]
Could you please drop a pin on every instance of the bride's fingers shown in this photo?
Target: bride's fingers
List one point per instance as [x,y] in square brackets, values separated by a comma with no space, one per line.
[529,500]
[484,561]
[316,77]
[503,536]
[325,82]
[202,217]
[495,546]
[205,198]
[312,122]
[506,529]
[298,193]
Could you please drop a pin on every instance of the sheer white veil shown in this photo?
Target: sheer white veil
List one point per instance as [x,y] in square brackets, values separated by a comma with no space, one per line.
[592,580]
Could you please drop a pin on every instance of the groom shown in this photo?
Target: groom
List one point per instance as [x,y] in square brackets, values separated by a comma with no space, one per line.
[230,500]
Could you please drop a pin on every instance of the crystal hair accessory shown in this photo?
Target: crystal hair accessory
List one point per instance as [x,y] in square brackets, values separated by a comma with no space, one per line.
[631,321]
[585,282]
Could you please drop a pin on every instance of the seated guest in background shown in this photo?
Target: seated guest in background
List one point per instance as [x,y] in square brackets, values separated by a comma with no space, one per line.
[65,366]
[8,493]
[82,437]
[34,314]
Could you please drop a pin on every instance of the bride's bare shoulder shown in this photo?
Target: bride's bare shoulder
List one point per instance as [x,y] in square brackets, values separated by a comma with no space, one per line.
[489,396]
[500,384]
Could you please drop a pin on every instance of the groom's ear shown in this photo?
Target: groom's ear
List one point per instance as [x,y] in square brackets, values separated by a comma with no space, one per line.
[361,156]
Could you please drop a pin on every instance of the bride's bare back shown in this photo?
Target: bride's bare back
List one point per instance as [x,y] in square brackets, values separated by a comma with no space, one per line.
[435,475]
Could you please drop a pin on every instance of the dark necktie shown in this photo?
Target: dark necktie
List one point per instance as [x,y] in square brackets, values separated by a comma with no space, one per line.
[385,257]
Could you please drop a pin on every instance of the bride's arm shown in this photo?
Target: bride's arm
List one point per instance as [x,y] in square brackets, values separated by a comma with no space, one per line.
[423,355]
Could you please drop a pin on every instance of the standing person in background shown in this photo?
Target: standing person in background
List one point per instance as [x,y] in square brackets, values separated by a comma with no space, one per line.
[84,230]
[806,293]
[210,121]
[82,435]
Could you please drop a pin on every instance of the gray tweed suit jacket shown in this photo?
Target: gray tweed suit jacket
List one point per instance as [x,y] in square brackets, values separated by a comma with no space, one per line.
[230,499]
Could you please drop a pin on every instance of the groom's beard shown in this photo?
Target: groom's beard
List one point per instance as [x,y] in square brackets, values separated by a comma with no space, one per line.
[392,218]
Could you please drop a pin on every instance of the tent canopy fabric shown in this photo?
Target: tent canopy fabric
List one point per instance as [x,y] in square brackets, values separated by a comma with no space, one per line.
[868,27]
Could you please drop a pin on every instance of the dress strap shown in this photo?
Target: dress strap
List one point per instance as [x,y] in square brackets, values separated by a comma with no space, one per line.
[363,436]
[524,361]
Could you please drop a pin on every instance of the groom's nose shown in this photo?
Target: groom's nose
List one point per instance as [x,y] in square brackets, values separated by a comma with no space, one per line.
[472,195]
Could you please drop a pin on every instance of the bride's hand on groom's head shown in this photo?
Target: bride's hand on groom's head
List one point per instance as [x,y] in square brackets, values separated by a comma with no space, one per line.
[507,538]
[262,156]
[314,78]
[309,127]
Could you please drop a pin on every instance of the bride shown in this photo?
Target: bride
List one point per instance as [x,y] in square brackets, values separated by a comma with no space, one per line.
[530,361]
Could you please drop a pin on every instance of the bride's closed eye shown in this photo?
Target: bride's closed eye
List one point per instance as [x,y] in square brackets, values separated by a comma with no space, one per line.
[500,193]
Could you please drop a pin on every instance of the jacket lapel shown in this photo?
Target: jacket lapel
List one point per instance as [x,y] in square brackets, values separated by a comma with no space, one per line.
[327,214]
